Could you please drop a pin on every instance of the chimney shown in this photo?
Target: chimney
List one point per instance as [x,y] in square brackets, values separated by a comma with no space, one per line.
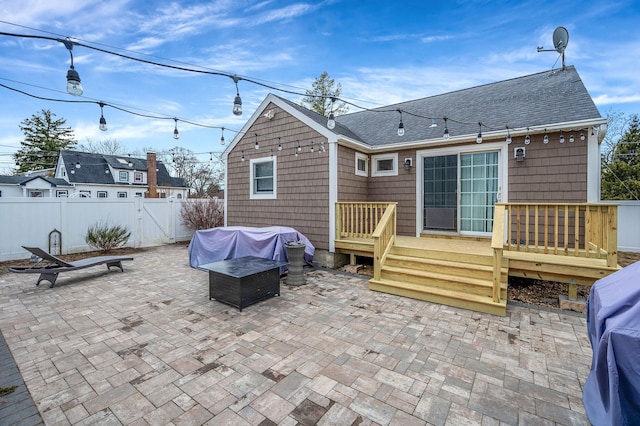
[152,175]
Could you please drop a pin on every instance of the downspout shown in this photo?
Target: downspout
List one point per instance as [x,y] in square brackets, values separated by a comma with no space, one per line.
[594,163]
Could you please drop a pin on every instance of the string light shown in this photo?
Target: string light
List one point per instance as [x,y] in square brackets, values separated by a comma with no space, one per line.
[400,125]
[445,135]
[299,147]
[527,138]
[74,87]
[222,137]
[545,139]
[103,122]
[508,136]
[237,102]
[176,134]
[279,144]
[257,146]
[479,138]
[331,122]
[242,155]
[581,135]
[561,137]
[571,138]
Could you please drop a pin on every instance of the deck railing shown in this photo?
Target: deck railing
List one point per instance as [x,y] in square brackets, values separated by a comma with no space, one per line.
[565,229]
[497,245]
[358,220]
[383,238]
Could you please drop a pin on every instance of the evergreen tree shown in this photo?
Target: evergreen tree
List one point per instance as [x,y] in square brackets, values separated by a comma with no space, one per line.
[44,137]
[319,98]
[621,173]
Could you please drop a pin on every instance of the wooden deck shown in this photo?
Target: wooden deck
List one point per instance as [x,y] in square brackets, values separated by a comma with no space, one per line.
[473,273]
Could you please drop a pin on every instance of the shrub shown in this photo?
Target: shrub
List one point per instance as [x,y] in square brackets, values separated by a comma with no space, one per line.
[105,237]
[202,213]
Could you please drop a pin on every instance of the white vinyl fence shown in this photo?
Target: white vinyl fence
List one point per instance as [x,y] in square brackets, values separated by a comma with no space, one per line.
[628,225]
[29,222]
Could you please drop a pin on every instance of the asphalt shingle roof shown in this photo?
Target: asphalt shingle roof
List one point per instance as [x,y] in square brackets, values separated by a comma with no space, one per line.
[93,166]
[540,99]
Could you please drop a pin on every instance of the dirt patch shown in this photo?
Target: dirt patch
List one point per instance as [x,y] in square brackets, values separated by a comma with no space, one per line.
[530,291]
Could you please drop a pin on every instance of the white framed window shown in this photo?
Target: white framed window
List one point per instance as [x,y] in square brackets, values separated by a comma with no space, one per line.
[36,194]
[123,176]
[137,177]
[362,164]
[85,194]
[122,194]
[62,193]
[385,165]
[101,194]
[263,178]
[139,194]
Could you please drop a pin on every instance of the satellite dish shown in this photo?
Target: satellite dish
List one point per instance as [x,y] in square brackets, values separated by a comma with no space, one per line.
[560,39]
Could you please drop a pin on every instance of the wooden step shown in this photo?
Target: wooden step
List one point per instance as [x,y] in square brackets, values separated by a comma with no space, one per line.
[449,267]
[440,295]
[471,258]
[458,283]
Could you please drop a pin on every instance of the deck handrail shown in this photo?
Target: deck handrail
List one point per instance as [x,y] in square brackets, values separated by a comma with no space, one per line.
[383,238]
[358,219]
[563,229]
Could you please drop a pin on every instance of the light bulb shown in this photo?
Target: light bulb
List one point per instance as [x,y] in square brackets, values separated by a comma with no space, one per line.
[545,139]
[176,134]
[401,129]
[561,138]
[445,135]
[508,138]
[221,140]
[581,136]
[479,138]
[571,138]
[78,165]
[237,105]
[74,87]
[331,122]
[103,124]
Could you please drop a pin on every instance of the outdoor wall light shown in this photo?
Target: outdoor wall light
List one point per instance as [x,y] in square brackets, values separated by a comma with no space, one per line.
[237,102]
[408,163]
[518,153]
[479,138]
[103,122]
[176,134]
[74,87]
[400,125]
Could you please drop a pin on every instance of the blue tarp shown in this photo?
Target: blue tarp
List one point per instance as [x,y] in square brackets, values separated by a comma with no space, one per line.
[230,242]
[611,394]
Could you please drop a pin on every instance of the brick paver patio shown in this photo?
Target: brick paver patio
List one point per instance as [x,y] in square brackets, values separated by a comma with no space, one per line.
[147,347]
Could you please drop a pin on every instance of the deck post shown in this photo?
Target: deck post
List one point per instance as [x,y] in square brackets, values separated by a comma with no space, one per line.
[612,236]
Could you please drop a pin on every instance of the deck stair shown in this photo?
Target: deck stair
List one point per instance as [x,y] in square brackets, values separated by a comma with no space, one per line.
[437,275]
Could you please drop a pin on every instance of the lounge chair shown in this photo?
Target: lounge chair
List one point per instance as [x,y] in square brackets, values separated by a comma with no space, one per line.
[50,271]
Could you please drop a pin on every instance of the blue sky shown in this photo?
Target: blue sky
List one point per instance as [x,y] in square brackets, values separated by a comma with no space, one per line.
[381,52]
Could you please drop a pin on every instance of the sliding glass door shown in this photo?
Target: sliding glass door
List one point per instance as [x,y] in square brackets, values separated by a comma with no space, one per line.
[459,192]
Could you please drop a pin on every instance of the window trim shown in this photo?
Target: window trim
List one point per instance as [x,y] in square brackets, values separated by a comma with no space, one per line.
[122,194]
[365,172]
[102,194]
[263,196]
[122,173]
[62,193]
[381,157]
[33,193]
[138,177]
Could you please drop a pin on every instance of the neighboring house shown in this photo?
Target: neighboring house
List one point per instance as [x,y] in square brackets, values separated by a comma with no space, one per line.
[32,186]
[117,176]
[286,167]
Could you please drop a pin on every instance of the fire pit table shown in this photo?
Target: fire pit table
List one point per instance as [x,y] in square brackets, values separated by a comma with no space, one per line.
[243,281]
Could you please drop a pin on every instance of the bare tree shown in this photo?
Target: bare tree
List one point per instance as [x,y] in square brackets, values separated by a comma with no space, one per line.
[105,146]
[204,178]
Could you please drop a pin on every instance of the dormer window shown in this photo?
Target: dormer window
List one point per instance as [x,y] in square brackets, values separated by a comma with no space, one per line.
[123,176]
